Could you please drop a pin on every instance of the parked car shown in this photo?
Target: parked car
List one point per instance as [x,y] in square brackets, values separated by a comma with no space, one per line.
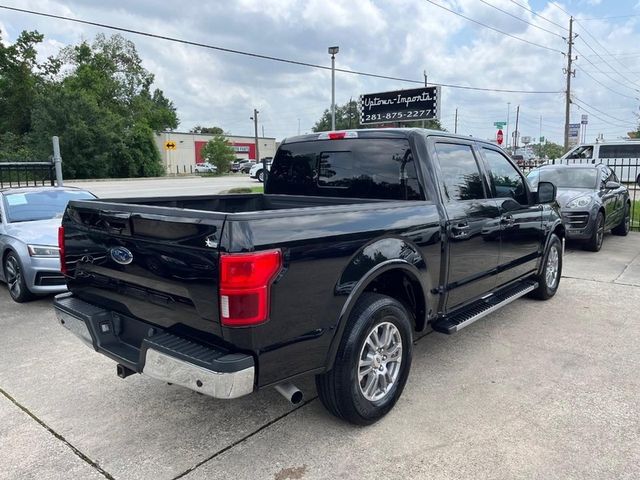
[363,241]
[205,168]
[622,156]
[246,167]
[29,239]
[257,170]
[239,163]
[591,198]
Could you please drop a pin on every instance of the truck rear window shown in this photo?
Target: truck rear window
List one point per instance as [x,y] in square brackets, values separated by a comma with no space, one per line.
[355,168]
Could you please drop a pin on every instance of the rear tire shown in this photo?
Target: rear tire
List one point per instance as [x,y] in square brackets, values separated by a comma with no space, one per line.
[594,244]
[260,176]
[14,275]
[372,363]
[625,225]
[549,278]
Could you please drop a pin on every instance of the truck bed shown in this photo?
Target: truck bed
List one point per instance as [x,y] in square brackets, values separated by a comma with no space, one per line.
[241,203]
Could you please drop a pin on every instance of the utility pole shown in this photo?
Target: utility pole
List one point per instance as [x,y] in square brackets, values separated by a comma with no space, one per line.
[424,72]
[515,132]
[455,128]
[255,129]
[508,112]
[569,73]
[540,131]
[57,161]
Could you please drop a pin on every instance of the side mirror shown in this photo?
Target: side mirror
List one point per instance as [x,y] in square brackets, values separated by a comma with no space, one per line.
[546,192]
[611,185]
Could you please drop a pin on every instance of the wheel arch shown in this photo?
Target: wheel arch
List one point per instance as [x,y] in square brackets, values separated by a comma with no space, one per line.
[395,277]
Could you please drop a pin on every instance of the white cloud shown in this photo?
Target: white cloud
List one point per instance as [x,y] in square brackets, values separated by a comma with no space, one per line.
[390,37]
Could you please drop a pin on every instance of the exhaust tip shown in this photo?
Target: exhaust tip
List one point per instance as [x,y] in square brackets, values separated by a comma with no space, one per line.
[290,392]
[297,397]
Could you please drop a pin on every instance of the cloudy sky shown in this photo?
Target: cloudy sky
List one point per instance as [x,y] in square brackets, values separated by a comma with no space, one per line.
[398,38]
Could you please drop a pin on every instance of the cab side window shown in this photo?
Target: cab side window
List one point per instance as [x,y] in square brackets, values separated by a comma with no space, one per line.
[461,179]
[506,180]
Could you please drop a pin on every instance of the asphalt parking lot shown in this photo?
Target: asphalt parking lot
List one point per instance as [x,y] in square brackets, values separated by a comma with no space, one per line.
[536,390]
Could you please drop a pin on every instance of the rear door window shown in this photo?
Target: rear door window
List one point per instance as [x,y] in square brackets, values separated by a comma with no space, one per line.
[506,180]
[356,168]
[459,171]
[620,151]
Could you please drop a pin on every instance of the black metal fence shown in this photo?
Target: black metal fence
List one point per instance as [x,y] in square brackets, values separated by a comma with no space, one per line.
[27,174]
[626,169]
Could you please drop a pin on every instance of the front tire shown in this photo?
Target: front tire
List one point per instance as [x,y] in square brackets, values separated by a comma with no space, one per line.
[372,363]
[549,278]
[260,176]
[594,244]
[14,275]
[623,228]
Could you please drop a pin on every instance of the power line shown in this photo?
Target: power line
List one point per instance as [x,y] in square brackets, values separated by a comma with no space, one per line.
[521,19]
[560,8]
[582,107]
[493,28]
[606,86]
[605,74]
[606,51]
[610,18]
[276,59]
[574,98]
[538,15]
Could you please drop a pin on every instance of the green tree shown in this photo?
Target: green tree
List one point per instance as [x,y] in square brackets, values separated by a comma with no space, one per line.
[211,130]
[348,117]
[548,150]
[219,152]
[104,111]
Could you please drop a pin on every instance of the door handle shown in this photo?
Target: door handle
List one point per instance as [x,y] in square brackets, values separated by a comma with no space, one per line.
[460,230]
[508,221]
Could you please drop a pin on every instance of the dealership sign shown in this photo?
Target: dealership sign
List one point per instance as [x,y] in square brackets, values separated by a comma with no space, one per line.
[400,105]
[240,148]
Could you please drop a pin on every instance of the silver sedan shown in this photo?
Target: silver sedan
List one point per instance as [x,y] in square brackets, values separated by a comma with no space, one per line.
[29,239]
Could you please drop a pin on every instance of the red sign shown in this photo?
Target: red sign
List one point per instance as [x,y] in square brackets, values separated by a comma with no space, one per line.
[499,137]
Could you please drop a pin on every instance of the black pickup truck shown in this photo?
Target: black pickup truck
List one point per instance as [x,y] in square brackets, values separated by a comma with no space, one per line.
[363,241]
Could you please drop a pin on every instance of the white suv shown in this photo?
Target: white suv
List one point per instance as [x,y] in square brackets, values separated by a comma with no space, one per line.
[257,171]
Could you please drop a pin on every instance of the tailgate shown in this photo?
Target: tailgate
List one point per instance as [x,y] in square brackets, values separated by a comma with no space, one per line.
[158,264]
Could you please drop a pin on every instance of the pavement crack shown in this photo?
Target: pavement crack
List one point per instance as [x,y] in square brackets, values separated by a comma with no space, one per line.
[243,439]
[73,448]
[626,267]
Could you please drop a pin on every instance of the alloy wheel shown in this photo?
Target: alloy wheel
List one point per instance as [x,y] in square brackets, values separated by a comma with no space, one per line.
[551,271]
[14,275]
[379,361]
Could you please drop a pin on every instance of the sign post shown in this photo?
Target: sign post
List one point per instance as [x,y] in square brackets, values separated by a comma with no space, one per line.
[400,106]
[574,133]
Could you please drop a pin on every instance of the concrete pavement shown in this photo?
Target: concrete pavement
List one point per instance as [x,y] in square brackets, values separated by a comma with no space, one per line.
[536,390]
[166,186]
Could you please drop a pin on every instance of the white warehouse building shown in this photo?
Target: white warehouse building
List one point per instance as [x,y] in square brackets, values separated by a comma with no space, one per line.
[180,151]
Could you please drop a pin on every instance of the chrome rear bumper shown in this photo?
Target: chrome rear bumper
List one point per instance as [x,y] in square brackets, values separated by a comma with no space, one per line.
[163,356]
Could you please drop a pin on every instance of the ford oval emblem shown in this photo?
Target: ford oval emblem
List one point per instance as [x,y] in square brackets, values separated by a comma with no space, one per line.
[121,255]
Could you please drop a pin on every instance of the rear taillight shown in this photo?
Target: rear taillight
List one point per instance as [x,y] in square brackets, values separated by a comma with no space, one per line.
[245,281]
[63,263]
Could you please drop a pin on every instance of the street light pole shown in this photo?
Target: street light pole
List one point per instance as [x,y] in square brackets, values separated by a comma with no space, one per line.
[508,111]
[332,52]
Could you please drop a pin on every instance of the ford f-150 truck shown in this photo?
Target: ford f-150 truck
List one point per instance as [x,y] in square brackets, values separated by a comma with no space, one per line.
[363,241]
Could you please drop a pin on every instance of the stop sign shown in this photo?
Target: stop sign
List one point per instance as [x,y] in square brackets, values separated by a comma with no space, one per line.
[499,137]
